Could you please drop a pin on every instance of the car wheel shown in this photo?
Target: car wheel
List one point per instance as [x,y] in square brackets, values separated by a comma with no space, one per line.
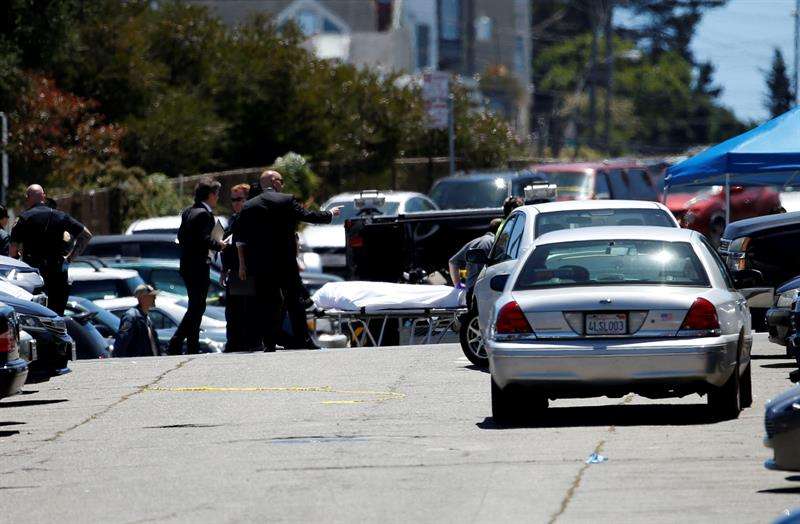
[746,388]
[472,340]
[512,404]
[726,401]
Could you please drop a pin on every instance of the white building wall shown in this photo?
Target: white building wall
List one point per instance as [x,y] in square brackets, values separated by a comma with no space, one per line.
[419,12]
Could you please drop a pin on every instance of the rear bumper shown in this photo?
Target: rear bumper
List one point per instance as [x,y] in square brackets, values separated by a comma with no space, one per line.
[787,452]
[563,365]
[12,377]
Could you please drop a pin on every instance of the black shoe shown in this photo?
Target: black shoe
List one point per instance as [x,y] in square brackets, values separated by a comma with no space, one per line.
[175,347]
[269,349]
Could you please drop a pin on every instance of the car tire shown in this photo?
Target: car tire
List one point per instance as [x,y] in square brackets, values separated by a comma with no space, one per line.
[512,404]
[472,340]
[725,401]
[746,386]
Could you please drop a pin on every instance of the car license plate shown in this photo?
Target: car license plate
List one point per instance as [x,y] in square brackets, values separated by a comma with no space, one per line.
[335,260]
[606,324]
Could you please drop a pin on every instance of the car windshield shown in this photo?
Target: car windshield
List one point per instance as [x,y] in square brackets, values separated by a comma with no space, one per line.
[612,262]
[547,222]
[470,193]
[571,185]
[349,210]
[102,316]
[163,249]
[108,288]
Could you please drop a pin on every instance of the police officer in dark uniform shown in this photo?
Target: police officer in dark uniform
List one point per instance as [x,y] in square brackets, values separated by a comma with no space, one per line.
[196,240]
[39,235]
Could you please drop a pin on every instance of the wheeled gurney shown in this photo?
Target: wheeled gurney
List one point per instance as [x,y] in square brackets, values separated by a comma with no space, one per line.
[364,310]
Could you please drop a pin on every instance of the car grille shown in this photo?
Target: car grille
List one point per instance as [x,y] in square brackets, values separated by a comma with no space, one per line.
[58,326]
[770,427]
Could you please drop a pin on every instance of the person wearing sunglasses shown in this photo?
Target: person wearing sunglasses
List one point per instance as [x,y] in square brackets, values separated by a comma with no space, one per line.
[238,293]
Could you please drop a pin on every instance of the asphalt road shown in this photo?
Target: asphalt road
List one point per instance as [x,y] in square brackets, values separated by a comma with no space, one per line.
[353,435]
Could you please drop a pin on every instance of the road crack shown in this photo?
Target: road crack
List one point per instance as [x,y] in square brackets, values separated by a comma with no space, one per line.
[123,398]
[576,482]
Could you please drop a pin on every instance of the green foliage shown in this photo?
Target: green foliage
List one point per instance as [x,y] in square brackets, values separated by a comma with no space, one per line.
[145,196]
[298,178]
[780,95]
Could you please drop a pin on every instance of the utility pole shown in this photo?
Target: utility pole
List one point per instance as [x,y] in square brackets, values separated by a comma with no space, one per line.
[609,37]
[593,15]
[796,48]
[4,145]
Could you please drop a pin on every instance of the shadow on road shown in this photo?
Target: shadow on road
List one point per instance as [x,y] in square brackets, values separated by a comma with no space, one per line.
[646,415]
[8,433]
[473,367]
[770,357]
[787,365]
[26,403]
[782,491]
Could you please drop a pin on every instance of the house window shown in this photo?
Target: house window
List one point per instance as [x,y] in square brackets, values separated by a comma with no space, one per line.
[329,27]
[308,21]
[483,28]
[423,45]
[450,16]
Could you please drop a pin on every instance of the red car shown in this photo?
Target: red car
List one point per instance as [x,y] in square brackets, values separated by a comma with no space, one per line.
[705,211]
[599,180]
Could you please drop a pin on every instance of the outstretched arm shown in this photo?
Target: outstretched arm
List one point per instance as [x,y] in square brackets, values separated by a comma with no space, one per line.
[80,244]
[313,217]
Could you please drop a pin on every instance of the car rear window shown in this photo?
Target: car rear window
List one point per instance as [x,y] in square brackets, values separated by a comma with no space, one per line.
[163,250]
[558,220]
[110,288]
[612,262]
[470,193]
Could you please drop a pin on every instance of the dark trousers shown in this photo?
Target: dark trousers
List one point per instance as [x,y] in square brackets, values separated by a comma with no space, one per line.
[56,285]
[197,284]
[269,303]
[294,298]
[241,323]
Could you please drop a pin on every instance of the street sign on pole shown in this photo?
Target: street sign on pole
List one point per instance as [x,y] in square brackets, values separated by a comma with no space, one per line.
[435,94]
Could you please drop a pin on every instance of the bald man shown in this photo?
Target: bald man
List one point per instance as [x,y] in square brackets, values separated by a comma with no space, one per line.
[38,236]
[267,248]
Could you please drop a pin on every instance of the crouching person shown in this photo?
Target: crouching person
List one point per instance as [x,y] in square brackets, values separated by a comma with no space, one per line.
[136,336]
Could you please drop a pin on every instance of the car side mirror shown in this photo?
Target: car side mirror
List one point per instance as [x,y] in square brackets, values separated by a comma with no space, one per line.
[746,278]
[498,282]
[477,256]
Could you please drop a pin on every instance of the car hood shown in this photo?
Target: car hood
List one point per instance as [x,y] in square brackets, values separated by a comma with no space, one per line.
[26,307]
[788,285]
[328,235]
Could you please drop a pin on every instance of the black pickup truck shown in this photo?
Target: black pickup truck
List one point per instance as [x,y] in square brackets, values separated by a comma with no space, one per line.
[407,247]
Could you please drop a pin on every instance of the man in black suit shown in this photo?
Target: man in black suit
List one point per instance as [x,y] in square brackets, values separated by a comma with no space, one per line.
[267,249]
[196,241]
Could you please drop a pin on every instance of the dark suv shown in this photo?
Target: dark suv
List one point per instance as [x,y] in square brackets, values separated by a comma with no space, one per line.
[13,368]
[481,190]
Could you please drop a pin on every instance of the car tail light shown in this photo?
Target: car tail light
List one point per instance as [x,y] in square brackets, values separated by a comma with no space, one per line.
[356,241]
[511,320]
[700,320]
[8,342]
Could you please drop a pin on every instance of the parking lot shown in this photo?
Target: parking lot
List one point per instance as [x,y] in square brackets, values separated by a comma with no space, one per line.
[389,434]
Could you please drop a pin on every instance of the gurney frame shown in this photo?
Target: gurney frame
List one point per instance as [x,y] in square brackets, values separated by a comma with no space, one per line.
[436,321]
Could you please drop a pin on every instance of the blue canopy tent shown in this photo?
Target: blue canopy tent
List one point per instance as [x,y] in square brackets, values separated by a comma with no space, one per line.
[766,155]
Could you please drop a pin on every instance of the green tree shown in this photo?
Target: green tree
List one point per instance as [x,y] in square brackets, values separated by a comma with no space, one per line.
[780,95]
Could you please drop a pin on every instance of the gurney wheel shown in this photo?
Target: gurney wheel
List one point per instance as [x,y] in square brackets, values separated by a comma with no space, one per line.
[472,340]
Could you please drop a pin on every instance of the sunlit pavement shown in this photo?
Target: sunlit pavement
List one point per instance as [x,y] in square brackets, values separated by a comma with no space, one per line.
[390,434]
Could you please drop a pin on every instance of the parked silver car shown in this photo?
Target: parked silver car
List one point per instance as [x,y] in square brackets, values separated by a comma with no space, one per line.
[525,224]
[618,310]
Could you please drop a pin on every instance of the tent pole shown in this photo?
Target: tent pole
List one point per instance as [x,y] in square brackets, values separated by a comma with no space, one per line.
[727,198]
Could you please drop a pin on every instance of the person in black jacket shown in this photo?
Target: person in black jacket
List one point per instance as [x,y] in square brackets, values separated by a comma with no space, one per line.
[38,236]
[196,241]
[267,248]
[5,237]
[239,315]
[136,336]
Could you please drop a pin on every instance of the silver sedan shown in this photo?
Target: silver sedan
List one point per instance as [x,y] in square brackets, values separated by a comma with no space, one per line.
[618,310]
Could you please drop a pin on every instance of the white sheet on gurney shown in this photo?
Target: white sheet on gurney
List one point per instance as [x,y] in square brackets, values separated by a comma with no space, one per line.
[380,296]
